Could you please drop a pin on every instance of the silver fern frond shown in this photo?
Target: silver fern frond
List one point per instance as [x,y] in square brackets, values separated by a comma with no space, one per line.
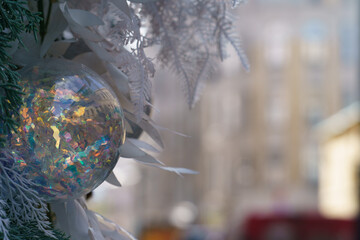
[193,35]
[140,85]
[173,52]
[230,36]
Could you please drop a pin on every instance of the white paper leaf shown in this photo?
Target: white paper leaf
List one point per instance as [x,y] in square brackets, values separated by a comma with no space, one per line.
[58,48]
[129,106]
[13,47]
[92,61]
[96,235]
[172,131]
[151,131]
[113,235]
[57,24]
[30,53]
[99,51]
[85,18]
[85,33]
[148,159]
[92,233]
[113,180]
[61,217]
[143,145]
[128,127]
[112,230]
[178,171]
[142,1]
[129,150]
[94,229]
[118,80]
[78,221]
[147,127]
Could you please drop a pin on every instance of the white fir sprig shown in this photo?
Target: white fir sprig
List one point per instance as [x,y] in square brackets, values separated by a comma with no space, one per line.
[18,196]
[4,221]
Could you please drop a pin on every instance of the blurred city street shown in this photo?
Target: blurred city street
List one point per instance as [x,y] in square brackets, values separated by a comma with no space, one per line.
[277,148]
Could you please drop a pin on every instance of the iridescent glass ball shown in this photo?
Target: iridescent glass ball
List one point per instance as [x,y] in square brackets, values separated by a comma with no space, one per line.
[71,128]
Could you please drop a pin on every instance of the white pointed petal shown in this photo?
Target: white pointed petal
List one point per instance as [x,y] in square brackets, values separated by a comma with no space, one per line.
[113,180]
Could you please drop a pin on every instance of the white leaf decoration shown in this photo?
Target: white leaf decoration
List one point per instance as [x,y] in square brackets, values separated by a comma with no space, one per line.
[78,221]
[29,54]
[92,61]
[178,171]
[57,24]
[118,81]
[81,30]
[61,216]
[99,51]
[113,180]
[13,47]
[112,230]
[142,1]
[94,229]
[58,48]
[73,218]
[129,150]
[143,145]
[148,127]
[85,18]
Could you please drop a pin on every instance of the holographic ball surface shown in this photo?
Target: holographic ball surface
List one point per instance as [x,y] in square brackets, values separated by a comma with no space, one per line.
[71,127]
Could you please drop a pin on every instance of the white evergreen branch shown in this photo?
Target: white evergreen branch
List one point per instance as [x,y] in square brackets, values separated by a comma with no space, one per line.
[23,202]
[4,221]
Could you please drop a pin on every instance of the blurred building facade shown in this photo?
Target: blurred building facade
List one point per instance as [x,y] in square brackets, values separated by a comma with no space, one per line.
[339,166]
[252,134]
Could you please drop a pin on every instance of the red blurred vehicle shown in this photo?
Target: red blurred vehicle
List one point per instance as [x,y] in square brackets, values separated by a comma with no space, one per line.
[297,227]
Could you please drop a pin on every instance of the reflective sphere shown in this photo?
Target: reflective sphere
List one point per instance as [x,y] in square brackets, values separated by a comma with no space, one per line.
[71,127]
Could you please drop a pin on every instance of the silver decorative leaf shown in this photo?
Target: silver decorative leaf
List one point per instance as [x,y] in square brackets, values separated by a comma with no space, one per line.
[143,145]
[78,221]
[130,150]
[57,24]
[113,180]
[74,218]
